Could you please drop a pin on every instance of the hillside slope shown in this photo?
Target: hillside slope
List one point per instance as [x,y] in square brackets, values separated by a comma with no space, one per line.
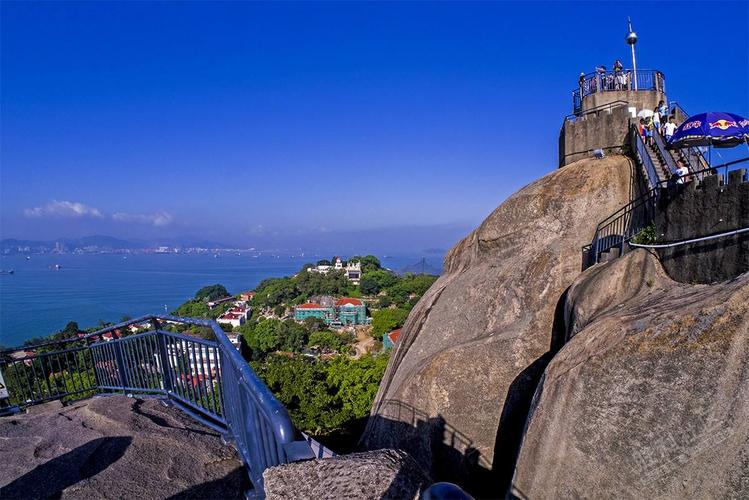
[457,389]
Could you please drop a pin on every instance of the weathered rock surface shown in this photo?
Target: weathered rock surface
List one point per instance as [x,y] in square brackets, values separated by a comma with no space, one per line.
[460,381]
[650,397]
[387,474]
[115,447]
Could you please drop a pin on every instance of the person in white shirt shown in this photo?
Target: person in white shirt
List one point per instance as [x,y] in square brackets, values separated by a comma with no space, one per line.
[669,128]
[682,171]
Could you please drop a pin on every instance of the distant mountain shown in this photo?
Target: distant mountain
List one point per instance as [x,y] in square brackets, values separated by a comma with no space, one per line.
[421,267]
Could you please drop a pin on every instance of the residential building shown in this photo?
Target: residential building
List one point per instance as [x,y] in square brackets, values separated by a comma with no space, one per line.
[314,310]
[247,296]
[345,311]
[389,339]
[352,270]
[351,311]
[235,316]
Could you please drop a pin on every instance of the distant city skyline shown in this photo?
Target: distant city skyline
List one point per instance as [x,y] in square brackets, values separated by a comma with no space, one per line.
[298,124]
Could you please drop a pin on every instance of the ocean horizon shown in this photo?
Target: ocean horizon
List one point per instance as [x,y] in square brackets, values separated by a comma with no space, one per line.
[39,300]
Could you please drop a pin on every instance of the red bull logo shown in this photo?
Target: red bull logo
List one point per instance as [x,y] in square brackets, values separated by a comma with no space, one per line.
[691,125]
[722,124]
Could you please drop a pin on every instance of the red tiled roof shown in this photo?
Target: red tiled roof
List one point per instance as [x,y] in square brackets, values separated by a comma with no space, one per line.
[310,305]
[230,316]
[393,336]
[346,301]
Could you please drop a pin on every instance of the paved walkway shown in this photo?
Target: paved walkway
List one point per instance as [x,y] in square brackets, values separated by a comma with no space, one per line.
[114,447]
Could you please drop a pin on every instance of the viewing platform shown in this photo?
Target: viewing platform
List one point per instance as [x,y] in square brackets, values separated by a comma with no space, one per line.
[602,107]
[642,88]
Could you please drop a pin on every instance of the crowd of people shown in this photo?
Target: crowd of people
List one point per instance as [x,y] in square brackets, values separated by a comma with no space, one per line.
[616,79]
[660,121]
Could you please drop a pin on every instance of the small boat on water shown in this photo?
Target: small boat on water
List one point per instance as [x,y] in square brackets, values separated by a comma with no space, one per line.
[9,271]
[56,267]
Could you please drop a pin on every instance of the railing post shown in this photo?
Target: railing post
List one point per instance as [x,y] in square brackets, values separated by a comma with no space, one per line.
[124,382]
[166,374]
[595,248]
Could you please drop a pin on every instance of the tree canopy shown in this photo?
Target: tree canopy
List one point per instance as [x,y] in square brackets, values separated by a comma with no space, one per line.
[386,320]
[211,292]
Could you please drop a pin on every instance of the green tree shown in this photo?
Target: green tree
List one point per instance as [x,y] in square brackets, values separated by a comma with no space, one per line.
[313,324]
[293,336]
[264,337]
[332,341]
[375,281]
[385,320]
[211,292]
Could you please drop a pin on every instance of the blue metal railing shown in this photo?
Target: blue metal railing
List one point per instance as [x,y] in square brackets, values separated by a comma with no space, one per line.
[207,379]
[609,81]
[642,155]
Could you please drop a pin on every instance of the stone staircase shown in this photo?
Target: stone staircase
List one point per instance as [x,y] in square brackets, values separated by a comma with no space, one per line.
[660,163]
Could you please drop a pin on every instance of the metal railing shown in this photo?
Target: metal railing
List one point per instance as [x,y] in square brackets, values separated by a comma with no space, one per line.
[619,228]
[207,379]
[610,81]
[642,155]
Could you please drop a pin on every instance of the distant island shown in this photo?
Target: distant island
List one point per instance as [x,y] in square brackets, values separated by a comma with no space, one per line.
[109,244]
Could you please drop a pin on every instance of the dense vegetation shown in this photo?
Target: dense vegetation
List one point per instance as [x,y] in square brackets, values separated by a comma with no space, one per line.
[310,368]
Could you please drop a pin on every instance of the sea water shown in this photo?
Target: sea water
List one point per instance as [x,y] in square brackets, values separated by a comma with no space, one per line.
[38,299]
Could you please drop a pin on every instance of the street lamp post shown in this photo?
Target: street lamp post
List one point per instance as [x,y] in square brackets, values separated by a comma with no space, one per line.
[631,41]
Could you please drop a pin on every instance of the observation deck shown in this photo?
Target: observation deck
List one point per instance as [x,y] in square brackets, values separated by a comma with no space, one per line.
[642,89]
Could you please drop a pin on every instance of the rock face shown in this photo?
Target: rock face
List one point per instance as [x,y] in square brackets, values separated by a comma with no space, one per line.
[650,397]
[459,383]
[115,447]
[386,474]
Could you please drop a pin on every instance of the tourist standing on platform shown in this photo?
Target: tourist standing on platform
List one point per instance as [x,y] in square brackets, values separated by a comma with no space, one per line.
[601,77]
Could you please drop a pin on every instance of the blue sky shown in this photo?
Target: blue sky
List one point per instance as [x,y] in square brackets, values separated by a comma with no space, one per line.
[239,121]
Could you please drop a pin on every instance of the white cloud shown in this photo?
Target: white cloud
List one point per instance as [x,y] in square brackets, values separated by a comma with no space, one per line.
[63,209]
[74,209]
[157,219]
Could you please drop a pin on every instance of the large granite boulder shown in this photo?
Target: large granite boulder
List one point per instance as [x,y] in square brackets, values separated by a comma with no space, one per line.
[457,388]
[650,397]
[382,474]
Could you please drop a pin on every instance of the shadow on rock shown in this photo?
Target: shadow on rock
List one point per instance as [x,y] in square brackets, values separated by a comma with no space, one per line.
[49,479]
[444,452]
[516,408]
[232,485]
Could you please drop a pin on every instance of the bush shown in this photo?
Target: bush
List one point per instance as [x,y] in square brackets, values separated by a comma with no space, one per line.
[647,236]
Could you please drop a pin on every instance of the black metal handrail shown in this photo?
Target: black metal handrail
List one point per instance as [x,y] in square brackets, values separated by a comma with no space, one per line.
[620,227]
[624,80]
[207,379]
